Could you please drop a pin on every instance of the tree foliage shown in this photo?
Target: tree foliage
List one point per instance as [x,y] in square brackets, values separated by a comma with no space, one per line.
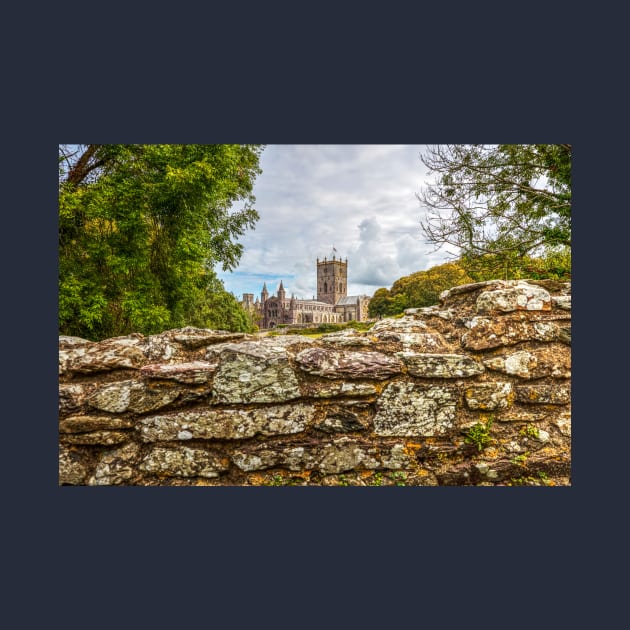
[501,200]
[141,230]
[418,289]
[554,264]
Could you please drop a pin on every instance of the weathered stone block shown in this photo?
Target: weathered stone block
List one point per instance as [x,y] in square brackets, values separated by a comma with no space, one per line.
[83,424]
[341,455]
[332,390]
[182,461]
[440,365]
[115,353]
[193,372]
[410,332]
[71,468]
[133,396]
[544,394]
[339,364]
[520,297]
[415,410]
[562,301]
[340,419]
[192,338]
[487,332]
[229,424]
[553,360]
[101,438]
[489,396]
[116,467]
[253,372]
[70,397]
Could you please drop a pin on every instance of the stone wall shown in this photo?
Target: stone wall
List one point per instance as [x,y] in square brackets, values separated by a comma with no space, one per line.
[475,391]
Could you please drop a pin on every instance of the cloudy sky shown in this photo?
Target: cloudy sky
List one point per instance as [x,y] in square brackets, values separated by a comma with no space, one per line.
[359,199]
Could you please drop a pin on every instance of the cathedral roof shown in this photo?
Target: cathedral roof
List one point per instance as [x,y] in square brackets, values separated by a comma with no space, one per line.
[347,300]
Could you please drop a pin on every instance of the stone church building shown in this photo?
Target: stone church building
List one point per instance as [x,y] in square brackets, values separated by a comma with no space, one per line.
[332,305]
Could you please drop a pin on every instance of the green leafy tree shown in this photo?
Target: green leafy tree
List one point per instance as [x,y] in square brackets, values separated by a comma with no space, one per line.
[554,263]
[418,289]
[382,304]
[505,200]
[141,230]
[423,288]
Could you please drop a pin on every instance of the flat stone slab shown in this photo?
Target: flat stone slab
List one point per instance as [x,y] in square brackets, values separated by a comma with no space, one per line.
[415,410]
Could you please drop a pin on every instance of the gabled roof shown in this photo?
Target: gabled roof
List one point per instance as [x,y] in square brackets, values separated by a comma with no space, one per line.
[348,300]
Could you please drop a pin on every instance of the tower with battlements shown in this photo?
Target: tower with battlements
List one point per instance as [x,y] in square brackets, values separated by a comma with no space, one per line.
[332,279]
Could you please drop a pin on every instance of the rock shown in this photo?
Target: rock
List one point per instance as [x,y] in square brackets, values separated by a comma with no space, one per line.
[431,311]
[341,455]
[116,467]
[332,390]
[72,342]
[340,420]
[544,394]
[562,301]
[182,461]
[349,337]
[101,438]
[254,372]
[84,424]
[131,395]
[70,397]
[228,424]
[111,354]
[415,410]
[551,360]
[440,365]
[563,423]
[521,296]
[192,338]
[487,332]
[346,364]
[489,396]
[193,372]
[72,471]
[411,332]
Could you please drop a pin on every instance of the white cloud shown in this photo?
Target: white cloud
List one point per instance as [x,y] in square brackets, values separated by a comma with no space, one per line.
[359,198]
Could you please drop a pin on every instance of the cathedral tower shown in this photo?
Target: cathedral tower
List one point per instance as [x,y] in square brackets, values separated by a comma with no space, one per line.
[332,279]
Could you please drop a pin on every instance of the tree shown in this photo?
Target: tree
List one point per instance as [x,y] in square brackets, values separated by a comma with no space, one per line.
[554,263]
[381,304]
[141,229]
[504,200]
[418,289]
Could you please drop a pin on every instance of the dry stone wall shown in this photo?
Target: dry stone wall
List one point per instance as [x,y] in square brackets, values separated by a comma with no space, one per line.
[473,391]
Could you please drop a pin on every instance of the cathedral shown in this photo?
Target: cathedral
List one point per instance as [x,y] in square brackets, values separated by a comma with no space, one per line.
[332,305]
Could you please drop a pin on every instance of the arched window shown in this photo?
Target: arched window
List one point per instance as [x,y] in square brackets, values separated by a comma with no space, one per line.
[325,287]
[340,289]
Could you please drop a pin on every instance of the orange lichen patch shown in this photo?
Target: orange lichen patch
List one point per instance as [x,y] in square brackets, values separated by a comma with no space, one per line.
[256,479]
[411,448]
[203,482]
[491,452]
[379,387]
